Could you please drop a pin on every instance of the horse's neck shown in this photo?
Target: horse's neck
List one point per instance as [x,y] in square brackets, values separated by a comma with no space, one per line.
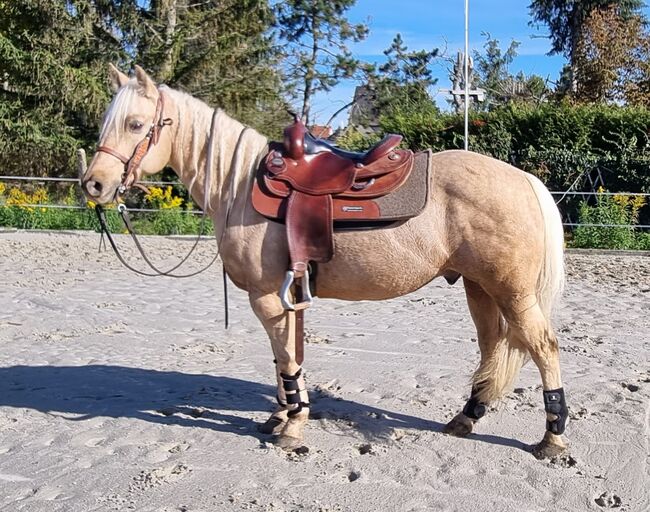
[236,152]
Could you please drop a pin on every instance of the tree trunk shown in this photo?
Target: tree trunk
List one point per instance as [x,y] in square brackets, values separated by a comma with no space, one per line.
[167,14]
[310,72]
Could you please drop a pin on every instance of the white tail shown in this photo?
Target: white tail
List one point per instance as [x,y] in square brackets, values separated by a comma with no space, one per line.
[551,277]
[497,375]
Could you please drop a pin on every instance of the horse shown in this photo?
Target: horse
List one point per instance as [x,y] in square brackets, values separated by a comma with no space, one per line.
[486,221]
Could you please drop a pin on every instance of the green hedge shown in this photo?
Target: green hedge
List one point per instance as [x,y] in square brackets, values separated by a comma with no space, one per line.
[556,142]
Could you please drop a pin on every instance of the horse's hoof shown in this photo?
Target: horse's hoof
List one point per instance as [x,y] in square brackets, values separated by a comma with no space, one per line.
[550,446]
[273,425]
[288,443]
[459,426]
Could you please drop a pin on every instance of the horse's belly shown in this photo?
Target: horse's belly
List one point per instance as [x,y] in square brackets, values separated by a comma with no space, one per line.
[378,264]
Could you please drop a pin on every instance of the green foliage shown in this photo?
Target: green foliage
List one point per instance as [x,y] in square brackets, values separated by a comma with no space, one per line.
[564,18]
[354,140]
[501,87]
[172,222]
[316,55]
[403,81]
[52,57]
[643,241]
[619,213]
[421,129]
[19,209]
[222,52]
[557,142]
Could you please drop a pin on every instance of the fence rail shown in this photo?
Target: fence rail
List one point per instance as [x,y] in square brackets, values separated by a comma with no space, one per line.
[76,180]
[562,194]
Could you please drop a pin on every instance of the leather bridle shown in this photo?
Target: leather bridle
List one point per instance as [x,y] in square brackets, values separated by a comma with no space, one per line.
[131,174]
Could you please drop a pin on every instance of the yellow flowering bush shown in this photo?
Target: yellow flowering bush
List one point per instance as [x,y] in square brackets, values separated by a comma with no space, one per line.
[17,197]
[171,219]
[618,214]
[632,204]
[157,198]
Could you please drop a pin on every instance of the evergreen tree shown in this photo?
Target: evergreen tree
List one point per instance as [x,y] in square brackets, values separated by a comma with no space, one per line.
[221,51]
[404,80]
[53,56]
[317,58]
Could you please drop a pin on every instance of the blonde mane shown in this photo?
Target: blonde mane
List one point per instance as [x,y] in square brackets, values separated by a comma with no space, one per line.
[119,108]
[236,152]
[236,149]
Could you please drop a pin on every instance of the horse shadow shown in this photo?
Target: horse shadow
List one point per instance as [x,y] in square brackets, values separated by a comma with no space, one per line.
[215,402]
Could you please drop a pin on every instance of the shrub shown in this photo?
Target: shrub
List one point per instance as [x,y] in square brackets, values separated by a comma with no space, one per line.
[555,141]
[17,210]
[620,212]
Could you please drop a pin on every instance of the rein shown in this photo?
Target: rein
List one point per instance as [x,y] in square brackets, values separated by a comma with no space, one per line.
[124,214]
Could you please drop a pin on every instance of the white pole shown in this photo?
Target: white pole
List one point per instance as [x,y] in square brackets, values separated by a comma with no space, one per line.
[466,75]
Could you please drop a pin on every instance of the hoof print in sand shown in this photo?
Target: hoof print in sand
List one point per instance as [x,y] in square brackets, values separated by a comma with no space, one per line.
[353,476]
[564,461]
[147,479]
[607,500]
[365,449]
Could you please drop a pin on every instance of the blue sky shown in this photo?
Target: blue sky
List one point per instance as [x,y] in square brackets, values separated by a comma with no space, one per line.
[427,24]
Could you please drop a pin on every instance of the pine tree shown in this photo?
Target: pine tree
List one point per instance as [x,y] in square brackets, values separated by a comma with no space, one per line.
[222,52]
[403,81]
[500,85]
[317,58]
[54,56]
[52,66]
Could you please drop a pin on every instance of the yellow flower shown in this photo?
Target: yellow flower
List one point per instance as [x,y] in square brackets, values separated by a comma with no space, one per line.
[2,188]
[165,200]
[91,204]
[40,196]
[638,203]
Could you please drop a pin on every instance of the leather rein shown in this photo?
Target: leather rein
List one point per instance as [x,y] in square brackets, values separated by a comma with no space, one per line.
[130,178]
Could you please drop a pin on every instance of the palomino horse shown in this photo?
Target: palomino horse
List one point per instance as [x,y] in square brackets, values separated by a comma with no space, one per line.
[486,221]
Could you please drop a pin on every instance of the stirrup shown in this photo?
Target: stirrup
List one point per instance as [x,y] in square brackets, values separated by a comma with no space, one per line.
[306,292]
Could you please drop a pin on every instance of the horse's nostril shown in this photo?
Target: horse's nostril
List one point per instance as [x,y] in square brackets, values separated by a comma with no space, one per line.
[94,188]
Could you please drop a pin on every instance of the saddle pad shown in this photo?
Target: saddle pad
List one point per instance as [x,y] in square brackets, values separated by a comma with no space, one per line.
[405,202]
[410,199]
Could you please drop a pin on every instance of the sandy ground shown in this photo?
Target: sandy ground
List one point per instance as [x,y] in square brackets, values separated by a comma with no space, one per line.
[119,392]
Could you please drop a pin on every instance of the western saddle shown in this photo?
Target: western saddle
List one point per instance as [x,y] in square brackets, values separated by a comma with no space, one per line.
[309,184]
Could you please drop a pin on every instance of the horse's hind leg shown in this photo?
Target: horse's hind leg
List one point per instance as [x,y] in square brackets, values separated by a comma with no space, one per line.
[500,359]
[534,331]
[293,403]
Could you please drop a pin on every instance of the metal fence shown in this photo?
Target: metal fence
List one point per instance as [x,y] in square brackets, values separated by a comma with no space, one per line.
[561,194]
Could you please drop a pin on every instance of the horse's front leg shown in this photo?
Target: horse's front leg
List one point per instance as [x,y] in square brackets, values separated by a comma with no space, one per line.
[289,419]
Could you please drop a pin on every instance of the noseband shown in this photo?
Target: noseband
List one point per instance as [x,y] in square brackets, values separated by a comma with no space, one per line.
[132,164]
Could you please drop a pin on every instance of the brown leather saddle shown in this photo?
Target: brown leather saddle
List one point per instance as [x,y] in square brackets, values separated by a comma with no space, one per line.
[310,184]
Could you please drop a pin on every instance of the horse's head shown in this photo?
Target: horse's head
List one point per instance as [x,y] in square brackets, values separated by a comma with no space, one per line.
[133,140]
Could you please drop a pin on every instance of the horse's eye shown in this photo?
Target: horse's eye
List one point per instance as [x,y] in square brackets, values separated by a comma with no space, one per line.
[135,126]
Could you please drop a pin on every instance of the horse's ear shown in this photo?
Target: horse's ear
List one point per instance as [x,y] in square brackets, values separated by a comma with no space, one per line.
[118,79]
[147,87]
